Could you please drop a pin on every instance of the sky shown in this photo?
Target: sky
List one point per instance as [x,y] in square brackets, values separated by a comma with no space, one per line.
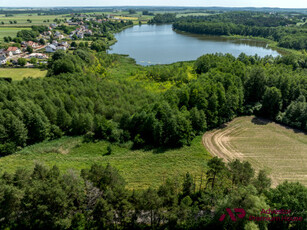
[203,3]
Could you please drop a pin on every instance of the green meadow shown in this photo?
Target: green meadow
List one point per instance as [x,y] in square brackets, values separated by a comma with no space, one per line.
[140,168]
[10,31]
[21,20]
[17,74]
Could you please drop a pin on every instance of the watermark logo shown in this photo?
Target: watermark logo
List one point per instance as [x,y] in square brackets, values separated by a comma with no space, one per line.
[241,214]
[265,215]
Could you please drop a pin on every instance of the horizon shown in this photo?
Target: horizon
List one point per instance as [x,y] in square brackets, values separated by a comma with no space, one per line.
[150,6]
[298,4]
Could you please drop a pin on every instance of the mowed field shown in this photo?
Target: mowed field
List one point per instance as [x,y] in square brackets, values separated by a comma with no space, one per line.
[10,31]
[17,74]
[21,20]
[140,168]
[266,145]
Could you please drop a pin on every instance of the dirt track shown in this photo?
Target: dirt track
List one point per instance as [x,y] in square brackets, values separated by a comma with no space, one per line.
[280,150]
[217,143]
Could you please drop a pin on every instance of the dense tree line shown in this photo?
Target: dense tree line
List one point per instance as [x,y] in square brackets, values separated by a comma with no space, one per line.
[45,198]
[34,110]
[259,19]
[62,62]
[225,87]
[277,28]
[163,18]
[28,35]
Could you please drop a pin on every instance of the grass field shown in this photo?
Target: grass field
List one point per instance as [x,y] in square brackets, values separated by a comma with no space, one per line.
[17,74]
[266,145]
[22,20]
[9,31]
[140,168]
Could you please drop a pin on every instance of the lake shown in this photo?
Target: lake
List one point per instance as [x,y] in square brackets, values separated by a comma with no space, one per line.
[159,44]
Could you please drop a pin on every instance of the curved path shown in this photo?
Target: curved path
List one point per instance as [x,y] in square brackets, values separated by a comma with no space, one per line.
[280,150]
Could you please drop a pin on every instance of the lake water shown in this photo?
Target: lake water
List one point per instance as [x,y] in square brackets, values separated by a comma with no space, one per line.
[159,44]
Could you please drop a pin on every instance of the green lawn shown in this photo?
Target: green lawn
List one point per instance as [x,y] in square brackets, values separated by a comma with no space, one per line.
[140,168]
[17,74]
[10,31]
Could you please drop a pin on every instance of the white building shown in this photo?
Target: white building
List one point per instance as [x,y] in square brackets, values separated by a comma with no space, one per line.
[50,48]
[38,56]
[13,50]
[60,47]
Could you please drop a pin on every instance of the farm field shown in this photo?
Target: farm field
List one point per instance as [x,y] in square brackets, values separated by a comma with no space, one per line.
[17,74]
[9,31]
[140,168]
[125,15]
[21,20]
[266,145]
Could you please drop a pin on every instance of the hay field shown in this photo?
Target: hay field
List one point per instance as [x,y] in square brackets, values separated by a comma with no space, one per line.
[265,144]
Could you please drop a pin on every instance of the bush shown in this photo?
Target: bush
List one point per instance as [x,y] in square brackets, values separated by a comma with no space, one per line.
[22,61]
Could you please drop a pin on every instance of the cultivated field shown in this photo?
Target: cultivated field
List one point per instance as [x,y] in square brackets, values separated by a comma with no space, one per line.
[140,168]
[21,20]
[266,145]
[17,74]
[9,31]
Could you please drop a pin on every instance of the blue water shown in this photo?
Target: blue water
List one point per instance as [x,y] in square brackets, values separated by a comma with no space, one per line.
[159,44]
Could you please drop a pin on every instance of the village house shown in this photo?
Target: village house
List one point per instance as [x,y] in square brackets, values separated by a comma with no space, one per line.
[57,33]
[61,47]
[73,23]
[80,35]
[9,53]
[32,44]
[88,32]
[38,56]
[13,50]
[64,43]
[2,58]
[60,37]
[50,48]
[47,33]
[53,25]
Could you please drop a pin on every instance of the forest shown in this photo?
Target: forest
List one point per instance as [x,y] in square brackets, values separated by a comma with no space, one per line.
[163,18]
[96,198]
[279,28]
[77,98]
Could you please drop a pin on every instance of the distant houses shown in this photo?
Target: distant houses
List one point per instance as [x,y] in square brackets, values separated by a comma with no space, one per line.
[58,35]
[30,43]
[57,41]
[57,46]
[9,52]
[80,32]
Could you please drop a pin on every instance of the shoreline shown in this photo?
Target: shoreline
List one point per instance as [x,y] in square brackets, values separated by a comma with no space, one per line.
[270,44]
